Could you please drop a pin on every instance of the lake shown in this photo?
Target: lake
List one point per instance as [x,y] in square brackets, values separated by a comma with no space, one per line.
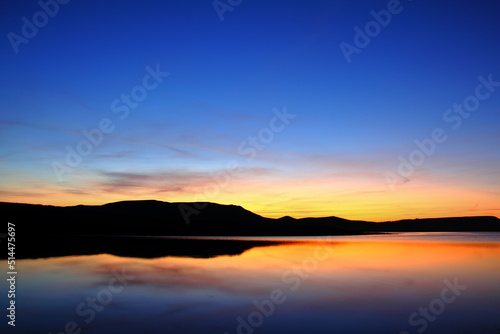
[394,283]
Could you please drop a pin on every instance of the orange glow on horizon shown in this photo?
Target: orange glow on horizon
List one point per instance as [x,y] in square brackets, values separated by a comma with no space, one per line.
[314,198]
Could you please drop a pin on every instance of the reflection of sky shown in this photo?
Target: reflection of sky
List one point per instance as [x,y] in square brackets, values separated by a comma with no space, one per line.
[361,287]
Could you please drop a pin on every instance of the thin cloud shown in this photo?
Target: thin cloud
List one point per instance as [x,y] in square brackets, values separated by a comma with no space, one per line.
[177,181]
[16,193]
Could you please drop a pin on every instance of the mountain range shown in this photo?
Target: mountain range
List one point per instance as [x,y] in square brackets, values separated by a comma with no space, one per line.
[156,218]
[116,228]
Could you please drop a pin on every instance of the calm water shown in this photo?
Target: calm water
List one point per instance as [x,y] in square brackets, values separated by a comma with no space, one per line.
[418,282]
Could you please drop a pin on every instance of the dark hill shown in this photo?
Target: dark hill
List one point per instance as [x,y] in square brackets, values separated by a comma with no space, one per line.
[156,218]
[43,231]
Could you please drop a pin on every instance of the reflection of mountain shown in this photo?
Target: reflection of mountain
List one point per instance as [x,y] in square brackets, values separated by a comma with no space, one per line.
[154,218]
[142,247]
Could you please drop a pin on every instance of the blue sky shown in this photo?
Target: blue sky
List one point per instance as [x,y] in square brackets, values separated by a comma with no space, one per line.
[353,120]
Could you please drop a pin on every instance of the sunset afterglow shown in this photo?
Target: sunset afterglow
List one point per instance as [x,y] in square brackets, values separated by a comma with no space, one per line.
[259,107]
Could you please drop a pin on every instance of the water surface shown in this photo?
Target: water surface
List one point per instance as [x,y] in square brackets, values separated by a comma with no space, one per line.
[413,282]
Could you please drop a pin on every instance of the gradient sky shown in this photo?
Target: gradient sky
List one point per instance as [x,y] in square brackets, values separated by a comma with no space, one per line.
[227,80]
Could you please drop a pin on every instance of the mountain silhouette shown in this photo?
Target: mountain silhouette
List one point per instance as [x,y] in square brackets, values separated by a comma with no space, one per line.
[44,230]
[156,218]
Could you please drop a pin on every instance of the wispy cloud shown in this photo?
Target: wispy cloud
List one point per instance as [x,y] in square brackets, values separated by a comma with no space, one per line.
[158,182]
[19,193]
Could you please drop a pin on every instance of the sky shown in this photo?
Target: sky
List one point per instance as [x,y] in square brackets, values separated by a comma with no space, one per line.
[376,110]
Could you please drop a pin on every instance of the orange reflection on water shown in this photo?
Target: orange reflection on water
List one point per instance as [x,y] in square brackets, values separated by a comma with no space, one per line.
[334,257]
[332,281]
[345,262]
